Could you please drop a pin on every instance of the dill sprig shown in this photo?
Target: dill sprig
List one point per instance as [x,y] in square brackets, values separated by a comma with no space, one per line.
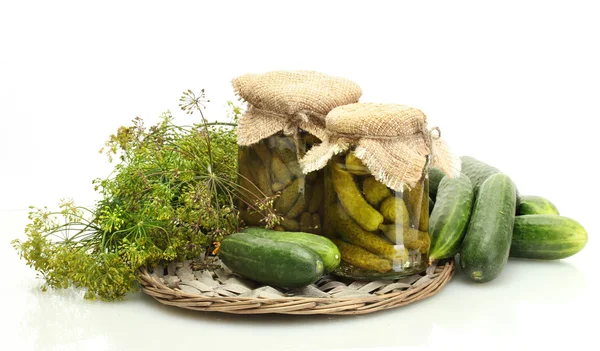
[172,194]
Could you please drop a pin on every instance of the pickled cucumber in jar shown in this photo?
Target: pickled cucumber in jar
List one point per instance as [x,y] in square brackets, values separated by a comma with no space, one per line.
[381,233]
[269,171]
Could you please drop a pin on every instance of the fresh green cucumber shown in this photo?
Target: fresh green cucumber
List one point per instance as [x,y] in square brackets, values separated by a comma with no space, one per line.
[329,252]
[546,237]
[271,262]
[435,177]
[529,204]
[476,170]
[450,217]
[486,244]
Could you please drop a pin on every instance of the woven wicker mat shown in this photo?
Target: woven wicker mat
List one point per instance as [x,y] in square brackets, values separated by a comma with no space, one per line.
[222,291]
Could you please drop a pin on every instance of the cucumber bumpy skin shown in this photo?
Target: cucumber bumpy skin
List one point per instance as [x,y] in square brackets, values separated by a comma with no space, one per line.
[263,177]
[417,203]
[277,186]
[477,171]
[351,198]
[280,171]
[435,177]
[394,211]
[424,211]
[289,196]
[290,224]
[487,242]
[284,148]
[262,150]
[275,263]
[355,166]
[347,229]
[299,207]
[450,216]
[301,202]
[324,247]
[375,191]
[249,191]
[361,258]
[411,238]
[529,204]
[547,237]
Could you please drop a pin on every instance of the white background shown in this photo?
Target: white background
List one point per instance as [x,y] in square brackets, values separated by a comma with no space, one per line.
[516,84]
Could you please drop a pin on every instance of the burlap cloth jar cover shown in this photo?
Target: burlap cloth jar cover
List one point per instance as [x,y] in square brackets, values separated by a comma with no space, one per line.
[286,101]
[392,140]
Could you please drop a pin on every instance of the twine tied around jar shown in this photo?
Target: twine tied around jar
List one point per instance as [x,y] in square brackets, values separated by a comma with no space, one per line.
[300,117]
[392,140]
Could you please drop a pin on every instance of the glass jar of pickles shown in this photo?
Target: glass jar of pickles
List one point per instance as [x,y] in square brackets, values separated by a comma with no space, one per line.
[381,233]
[376,187]
[284,120]
[270,169]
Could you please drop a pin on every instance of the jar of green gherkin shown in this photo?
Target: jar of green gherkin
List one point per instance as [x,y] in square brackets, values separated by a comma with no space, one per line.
[380,232]
[270,170]
[376,187]
[284,120]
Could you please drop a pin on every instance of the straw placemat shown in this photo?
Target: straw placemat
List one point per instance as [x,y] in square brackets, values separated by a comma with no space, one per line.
[220,290]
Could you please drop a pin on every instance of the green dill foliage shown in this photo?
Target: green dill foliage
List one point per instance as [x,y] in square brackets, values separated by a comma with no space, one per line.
[172,194]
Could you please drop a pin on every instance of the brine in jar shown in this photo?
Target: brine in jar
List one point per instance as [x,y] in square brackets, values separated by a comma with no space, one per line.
[269,169]
[381,233]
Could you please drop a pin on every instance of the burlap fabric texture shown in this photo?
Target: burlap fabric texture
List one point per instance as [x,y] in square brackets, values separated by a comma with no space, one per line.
[393,141]
[288,101]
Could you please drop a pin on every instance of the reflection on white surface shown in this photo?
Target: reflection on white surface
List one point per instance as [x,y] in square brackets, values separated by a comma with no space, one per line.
[530,299]
[63,320]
